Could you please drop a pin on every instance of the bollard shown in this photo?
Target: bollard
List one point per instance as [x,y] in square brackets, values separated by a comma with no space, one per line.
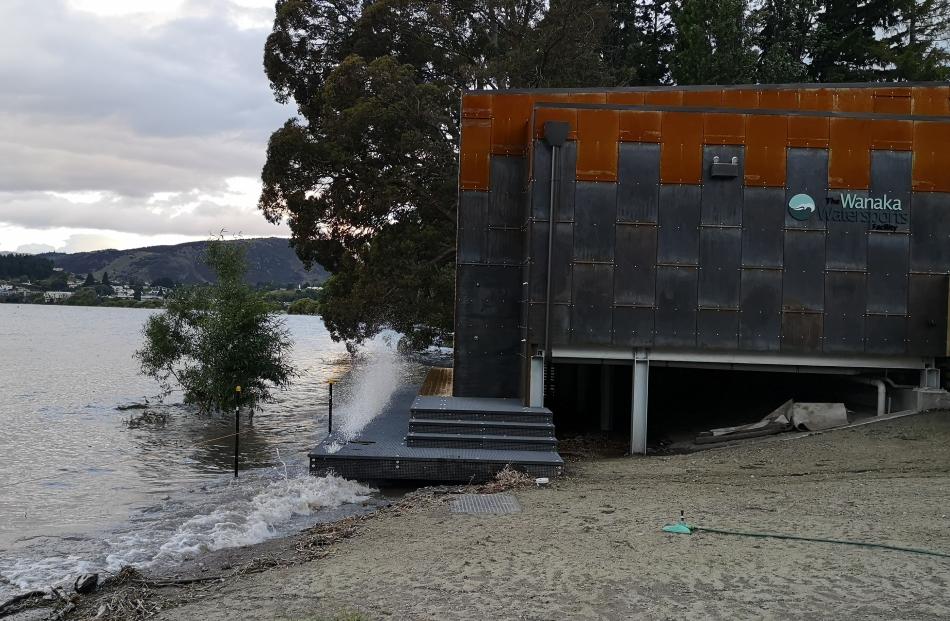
[330,417]
[237,430]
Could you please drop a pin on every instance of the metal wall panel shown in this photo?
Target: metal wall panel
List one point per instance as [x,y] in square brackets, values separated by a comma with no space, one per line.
[489,293]
[678,240]
[593,299]
[635,264]
[505,246]
[801,332]
[638,182]
[760,317]
[561,260]
[473,227]
[891,178]
[595,211]
[803,280]
[507,190]
[541,184]
[845,294]
[886,334]
[763,227]
[722,196]
[930,232]
[560,324]
[718,329]
[568,179]
[888,257]
[633,326]
[927,320]
[847,241]
[676,306]
[807,174]
[719,267]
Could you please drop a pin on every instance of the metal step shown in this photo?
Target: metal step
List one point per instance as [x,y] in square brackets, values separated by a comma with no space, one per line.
[481,427]
[505,443]
[468,408]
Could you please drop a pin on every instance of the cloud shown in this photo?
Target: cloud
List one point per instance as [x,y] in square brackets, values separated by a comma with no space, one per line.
[134,117]
[35,248]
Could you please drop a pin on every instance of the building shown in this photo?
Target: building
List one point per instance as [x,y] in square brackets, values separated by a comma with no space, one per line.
[797,227]
[56,296]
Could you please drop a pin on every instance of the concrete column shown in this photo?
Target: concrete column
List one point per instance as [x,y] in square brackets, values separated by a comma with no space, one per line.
[606,396]
[536,382]
[638,411]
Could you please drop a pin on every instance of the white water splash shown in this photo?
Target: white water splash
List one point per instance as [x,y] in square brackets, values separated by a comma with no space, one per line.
[260,519]
[377,374]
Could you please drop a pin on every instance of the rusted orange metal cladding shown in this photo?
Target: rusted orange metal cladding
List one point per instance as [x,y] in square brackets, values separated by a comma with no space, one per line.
[766,139]
[849,159]
[499,124]
[931,172]
[597,132]
[681,148]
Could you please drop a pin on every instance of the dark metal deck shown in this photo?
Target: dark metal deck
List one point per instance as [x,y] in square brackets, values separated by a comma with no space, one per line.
[379,452]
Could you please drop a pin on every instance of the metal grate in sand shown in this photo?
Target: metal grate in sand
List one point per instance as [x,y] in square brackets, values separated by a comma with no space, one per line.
[496,504]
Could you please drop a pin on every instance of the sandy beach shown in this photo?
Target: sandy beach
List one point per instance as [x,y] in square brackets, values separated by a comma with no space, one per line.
[589,546]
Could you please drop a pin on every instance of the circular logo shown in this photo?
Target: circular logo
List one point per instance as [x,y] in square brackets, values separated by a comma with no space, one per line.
[801,206]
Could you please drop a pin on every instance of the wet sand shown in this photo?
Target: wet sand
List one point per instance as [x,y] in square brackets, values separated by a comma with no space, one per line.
[590,547]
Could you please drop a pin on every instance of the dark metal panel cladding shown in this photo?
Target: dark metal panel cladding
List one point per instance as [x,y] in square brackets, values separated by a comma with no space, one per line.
[638,182]
[560,324]
[886,334]
[847,239]
[489,293]
[679,225]
[633,326]
[803,280]
[807,173]
[541,195]
[507,188]
[930,232]
[488,345]
[845,294]
[595,211]
[722,196]
[891,178]
[541,185]
[593,299]
[676,306]
[927,320]
[760,318]
[487,363]
[718,329]
[763,224]
[635,271]
[888,257]
[504,246]
[719,267]
[473,227]
[568,169]
[801,332]
[561,260]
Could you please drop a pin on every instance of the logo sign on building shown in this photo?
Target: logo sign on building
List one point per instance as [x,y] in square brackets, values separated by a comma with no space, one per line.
[884,212]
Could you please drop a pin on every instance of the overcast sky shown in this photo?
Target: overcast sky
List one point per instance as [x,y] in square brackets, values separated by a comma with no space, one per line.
[126,123]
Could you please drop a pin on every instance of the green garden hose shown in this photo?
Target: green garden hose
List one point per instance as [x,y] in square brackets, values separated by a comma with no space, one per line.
[683,528]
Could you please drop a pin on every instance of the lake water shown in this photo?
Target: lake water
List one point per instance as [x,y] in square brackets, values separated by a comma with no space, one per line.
[83,490]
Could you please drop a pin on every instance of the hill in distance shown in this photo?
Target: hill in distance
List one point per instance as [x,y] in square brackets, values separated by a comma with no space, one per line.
[269,260]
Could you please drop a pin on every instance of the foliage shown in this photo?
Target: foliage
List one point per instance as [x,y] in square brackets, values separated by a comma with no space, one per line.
[213,338]
[304,306]
[85,296]
[90,280]
[164,281]
[25,265]
[366,172]
[105,279]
